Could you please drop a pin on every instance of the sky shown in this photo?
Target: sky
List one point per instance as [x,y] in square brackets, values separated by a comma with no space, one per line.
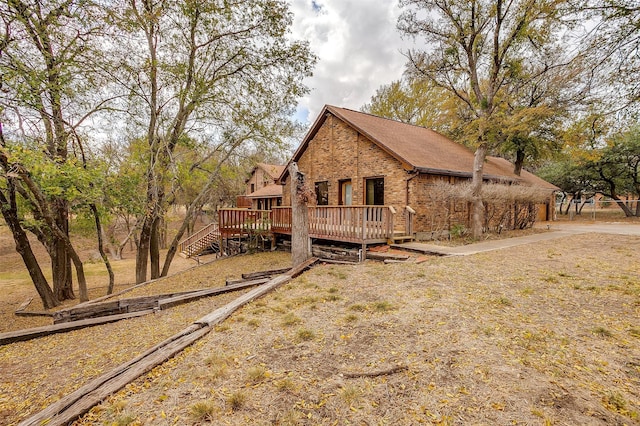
[358,50]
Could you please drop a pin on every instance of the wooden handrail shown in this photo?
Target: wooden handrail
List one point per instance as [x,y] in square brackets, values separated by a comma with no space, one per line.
[182,245]
[340,223]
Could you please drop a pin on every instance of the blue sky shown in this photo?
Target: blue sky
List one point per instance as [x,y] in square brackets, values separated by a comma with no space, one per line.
[358,49]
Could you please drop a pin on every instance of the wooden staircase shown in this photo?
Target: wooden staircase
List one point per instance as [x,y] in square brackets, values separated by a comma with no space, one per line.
[399,238]
[200,241]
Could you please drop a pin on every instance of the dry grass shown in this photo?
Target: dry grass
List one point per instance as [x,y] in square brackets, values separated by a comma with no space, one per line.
[545,334]
[494,342]
[61,363]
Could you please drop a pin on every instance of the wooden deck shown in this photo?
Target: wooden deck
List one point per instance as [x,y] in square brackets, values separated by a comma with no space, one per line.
[352,224]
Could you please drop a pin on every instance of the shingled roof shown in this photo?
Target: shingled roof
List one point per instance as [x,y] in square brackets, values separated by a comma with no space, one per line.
[418,148]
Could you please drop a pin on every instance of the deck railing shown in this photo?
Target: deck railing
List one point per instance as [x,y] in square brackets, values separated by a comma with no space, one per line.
[350,223]
[238,222]
[340,223]
[193,243]
[281,220]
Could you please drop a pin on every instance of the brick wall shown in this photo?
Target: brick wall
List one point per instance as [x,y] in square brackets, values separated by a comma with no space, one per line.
[431,213]
[337,153]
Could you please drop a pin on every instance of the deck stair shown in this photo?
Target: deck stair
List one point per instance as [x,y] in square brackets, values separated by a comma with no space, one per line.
[200,241]
[399,238]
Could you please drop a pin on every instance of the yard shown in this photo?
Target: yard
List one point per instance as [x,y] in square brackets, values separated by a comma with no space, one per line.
[542,334]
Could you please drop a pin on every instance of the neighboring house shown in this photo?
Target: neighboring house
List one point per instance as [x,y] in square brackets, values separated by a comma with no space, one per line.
[262,190]
[353,158]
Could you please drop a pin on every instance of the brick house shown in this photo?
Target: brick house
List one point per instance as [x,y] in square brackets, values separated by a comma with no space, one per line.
[353,158]
[261,191]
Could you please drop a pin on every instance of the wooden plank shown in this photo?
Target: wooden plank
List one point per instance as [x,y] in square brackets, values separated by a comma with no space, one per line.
[24,305]
[383,256]
[34,314]
[178,300]
[132,304]
[32,333]
[242,280]
[395,261]
[222,313]
[80,401]
[87,311]
[262,274]
[338,262]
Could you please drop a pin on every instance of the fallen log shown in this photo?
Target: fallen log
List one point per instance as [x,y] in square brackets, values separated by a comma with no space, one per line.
[32,333]
[82,400]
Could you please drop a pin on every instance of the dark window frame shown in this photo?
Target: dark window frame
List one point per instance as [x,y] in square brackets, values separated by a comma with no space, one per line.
[375,184]
[322,193]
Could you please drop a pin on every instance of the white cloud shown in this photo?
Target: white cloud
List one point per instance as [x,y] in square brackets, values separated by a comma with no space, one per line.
[358,49]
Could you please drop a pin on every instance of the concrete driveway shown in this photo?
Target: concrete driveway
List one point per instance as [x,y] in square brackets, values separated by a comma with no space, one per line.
[559,230]
[600,228]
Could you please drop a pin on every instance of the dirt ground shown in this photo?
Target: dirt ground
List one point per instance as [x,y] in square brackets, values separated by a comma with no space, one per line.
[547,333]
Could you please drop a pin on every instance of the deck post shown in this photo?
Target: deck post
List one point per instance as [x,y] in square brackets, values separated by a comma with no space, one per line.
[365,213]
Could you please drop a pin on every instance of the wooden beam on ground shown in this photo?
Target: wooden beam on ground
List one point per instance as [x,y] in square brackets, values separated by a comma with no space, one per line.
[338,262]
[32,333]
[222,313]
[22,313]
[34,314]
[74,405]
[150,302]
[24,305]
[186,298]
[243,280]
[262,274]
[384,256]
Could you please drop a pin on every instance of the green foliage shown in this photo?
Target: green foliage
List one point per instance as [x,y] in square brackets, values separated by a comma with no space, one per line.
[404,100]
[594,163]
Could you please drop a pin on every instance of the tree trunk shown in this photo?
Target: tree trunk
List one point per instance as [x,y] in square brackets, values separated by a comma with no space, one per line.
[142,253]
[104,256]
[154,248]
[300,243]
[627,211]
[60,262]
[478,205]
[23,247]
[517,167]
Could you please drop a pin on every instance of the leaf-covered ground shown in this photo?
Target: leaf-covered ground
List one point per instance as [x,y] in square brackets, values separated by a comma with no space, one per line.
[38,372]
[547,333]
[543,334]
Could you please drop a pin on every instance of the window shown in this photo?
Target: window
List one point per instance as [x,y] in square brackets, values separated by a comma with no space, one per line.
[346,193]
[322,193]
[374,195]
[253,188]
